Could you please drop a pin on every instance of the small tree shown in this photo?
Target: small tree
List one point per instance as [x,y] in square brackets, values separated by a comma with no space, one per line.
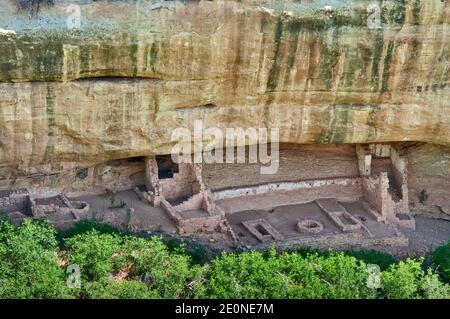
[407,280]
[29,266]
[93,252]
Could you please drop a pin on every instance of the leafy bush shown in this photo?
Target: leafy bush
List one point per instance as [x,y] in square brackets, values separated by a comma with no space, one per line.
[344,276]
[29,266]
[164,272]
[440,259]
[248,275]
[407,280]
[115,265]
[382,259]
[423,196]
[289,275]
[85,226]
[93,252]
[432,288]
[104,255]
[126,289]
[309,251]
[198,253]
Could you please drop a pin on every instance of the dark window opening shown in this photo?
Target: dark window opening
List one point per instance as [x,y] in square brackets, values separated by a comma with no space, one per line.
[166,167]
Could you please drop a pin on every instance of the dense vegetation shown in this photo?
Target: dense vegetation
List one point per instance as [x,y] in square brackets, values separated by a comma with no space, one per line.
[440,259]
[112,265]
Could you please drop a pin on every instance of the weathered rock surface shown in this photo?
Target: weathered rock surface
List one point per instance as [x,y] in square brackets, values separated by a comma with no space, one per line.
[136,70]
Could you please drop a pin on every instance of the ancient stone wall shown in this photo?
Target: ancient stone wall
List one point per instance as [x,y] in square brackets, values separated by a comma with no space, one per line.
[376,192]
[287,186]
[76,179]
[399,170]
[183,184]
[194,202]
[15,200]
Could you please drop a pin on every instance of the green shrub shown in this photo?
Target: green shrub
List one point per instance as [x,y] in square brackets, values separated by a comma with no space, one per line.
[125,289]
[29,266]
[343,276]
[198,252]
[423,196]
[248,275]
[432,288]
[289,275]
[309,251]
[92,251]
[85,226]
[407,280]
[401,281]
[164,272]
[440,259]
[115,265]
[382,259]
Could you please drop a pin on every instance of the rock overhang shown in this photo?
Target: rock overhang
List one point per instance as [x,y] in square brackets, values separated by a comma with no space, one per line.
[136,70]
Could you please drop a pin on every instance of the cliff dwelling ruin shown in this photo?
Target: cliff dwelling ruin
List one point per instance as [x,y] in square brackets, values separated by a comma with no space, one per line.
[339,195]
[88,108]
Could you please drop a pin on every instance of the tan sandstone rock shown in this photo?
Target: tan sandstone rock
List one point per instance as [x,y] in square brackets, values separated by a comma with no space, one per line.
[135,71]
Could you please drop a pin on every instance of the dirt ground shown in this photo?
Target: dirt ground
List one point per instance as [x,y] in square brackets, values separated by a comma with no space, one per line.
[285,218]
[283,198]
[429,234]
[143,218]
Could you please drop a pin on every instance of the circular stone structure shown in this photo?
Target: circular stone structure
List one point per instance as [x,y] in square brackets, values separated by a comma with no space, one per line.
[309,226]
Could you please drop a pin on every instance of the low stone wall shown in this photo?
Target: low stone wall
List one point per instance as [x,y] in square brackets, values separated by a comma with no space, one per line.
[62,205]
[194,202]
[338,214]
[20,203]
[173,214]
[210,224]
[376,192]
[207,224]
[369,208]
[148,197]
[340,241]
[15,201]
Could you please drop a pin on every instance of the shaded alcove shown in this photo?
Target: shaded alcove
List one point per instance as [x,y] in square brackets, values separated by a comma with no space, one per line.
[167,168]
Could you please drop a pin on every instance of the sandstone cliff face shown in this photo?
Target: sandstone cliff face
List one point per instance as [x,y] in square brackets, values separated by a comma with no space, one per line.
[136,70]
